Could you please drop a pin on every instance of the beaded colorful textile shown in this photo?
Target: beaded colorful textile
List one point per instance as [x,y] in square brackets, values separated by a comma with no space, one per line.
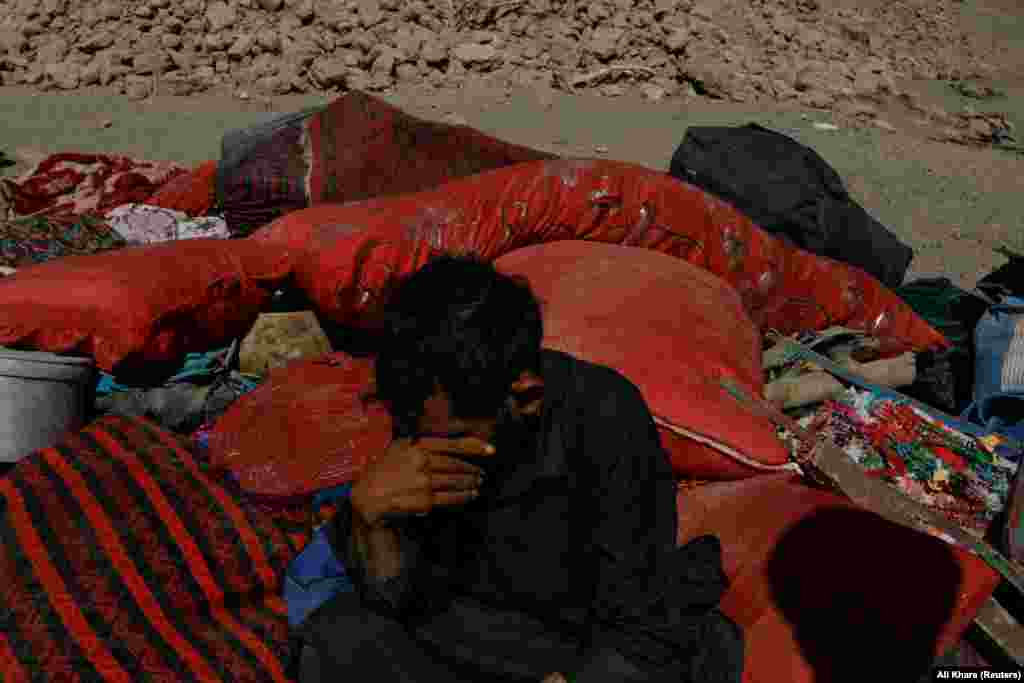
[953,473]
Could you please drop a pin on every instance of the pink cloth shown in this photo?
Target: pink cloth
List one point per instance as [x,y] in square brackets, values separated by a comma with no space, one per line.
[145,224]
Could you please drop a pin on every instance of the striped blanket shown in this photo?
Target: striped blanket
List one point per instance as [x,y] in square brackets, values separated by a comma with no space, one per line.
[122,560]
[355,148]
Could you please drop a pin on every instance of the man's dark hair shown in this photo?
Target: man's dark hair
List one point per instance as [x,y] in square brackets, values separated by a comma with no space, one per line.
[458,323]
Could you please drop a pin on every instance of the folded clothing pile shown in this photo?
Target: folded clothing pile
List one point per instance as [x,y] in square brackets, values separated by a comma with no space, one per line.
[79,204]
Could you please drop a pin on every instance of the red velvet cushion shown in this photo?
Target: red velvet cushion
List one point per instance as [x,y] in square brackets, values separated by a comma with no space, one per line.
[826,591]
[675,330]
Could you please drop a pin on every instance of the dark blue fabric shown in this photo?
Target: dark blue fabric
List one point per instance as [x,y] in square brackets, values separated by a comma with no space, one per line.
[1000,413]
[316,574]
[331,495]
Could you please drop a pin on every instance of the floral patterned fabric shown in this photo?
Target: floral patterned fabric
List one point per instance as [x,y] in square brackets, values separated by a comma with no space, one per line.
[26,241]
[71,184]
[58,206]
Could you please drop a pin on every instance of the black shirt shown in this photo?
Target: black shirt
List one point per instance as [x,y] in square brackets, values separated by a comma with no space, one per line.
[568,555]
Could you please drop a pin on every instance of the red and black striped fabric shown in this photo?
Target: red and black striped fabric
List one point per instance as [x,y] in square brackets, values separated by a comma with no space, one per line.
[357,147]
[122,560]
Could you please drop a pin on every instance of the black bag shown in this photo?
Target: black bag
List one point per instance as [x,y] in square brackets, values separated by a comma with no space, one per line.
[790,191]
[1007,279]
[945,379]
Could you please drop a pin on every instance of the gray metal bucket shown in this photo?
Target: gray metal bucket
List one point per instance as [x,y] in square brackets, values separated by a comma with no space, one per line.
[42,396]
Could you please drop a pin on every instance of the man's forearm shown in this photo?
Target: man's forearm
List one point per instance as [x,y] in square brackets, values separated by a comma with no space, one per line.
[378,549]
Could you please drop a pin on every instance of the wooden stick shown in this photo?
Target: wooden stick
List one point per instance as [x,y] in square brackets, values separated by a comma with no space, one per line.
[504,4]
[1013,529]
[6,199]
[586,79]
[1001,630]
[814,387]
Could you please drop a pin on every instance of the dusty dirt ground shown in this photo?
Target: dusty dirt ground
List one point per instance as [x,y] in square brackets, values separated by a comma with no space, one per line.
[953,203]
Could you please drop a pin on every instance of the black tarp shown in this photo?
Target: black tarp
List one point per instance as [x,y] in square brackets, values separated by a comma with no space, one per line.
[790,191]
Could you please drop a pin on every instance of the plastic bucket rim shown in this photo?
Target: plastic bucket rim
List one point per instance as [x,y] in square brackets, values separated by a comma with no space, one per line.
[44,357]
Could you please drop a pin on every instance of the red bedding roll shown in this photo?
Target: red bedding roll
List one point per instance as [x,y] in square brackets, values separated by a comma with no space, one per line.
[353,252]
[141,305]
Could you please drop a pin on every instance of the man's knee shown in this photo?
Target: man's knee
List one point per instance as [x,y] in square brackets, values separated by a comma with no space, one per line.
[335,632]
[311,667]
[339,609]
[344,618]
[721,657]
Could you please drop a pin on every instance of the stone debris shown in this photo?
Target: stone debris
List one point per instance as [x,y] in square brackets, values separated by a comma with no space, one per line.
[818,54]
[972,128]
[976,91]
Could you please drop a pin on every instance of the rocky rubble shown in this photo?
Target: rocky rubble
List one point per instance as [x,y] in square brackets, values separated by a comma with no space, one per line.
[738,50]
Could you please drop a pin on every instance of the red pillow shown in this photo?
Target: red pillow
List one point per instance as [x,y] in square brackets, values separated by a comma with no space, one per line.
[675,331]
[141,305]
[192,193]
[305,428]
